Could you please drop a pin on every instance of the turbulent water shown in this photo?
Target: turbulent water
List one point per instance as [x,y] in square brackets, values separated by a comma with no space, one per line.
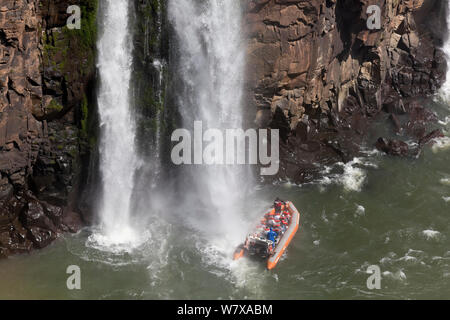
[385,211]
[374,210]
[118,159]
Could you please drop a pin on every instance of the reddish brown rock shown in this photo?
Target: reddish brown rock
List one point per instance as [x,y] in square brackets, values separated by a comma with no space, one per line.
[392,147]
[316,64]
[40,106]
[430,137]
[72,222]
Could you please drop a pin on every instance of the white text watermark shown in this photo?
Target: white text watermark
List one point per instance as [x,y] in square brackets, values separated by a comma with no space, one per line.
[227,147]
[74,280]
[74,21]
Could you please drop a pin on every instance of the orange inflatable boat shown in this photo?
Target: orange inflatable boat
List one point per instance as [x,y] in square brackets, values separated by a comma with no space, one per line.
[284,222]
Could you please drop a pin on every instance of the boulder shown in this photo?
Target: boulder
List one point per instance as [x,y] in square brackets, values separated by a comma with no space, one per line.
[430,137]
[392,147]
[41,237]
[72,222]
[34,216]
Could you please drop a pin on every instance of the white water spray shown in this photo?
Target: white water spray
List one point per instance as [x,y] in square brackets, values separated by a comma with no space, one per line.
[444,143]
[445,89]
[118,159]
[212,65]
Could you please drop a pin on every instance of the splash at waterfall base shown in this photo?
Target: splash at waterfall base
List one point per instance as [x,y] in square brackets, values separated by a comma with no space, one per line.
[227,148]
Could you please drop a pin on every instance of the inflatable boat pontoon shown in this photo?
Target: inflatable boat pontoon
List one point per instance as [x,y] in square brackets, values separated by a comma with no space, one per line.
[257,244]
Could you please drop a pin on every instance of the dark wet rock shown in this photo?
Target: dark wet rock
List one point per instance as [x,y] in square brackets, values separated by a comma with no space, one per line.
[5,239]
[72,222]
[396,107]
[430,137]
[6,189]
[27,222]
[420,114]
[392,147]
[396,122]
[54,213]
[418,122]
[41,237]
[34,215]
[46,77]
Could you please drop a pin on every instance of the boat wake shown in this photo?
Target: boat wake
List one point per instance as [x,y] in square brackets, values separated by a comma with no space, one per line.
[216,257]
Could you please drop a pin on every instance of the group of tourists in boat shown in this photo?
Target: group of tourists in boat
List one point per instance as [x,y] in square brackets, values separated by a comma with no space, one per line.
[274,224]
[272,235]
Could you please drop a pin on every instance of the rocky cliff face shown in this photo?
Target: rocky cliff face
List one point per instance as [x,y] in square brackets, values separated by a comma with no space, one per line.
[46,74]
[317,73]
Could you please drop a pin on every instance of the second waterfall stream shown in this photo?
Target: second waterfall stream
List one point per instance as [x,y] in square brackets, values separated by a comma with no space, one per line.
[118,157]
[211,64]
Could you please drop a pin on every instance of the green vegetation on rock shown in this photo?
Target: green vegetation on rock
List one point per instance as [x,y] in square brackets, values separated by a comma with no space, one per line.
[84,116]
[54,107]
[88,32]
[65,49]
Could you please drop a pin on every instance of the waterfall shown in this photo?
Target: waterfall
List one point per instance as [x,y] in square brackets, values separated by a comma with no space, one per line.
[445,89]
[211,65]
[118,160]
[159,66]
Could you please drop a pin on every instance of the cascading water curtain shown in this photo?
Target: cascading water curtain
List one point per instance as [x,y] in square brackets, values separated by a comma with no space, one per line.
[118,158]
[211,64]
[445,90]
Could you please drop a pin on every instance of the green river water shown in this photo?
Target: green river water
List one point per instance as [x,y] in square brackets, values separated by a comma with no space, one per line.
[377,210]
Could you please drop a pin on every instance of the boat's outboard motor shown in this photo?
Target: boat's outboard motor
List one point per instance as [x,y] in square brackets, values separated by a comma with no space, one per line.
[259,249]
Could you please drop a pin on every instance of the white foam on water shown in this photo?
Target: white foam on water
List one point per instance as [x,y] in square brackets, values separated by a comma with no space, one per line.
[353,177]
[371,152]
[408,258]
[158,250]
[326,181]
[217,255]
[398,275]
[445,122]
[323,183]
[124,240]
[437,258]
[416,252]
[385,260]
[360,210]
[445,181]
[324,218]
[389,258]
[441,144]
[431,234]
[98,251]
